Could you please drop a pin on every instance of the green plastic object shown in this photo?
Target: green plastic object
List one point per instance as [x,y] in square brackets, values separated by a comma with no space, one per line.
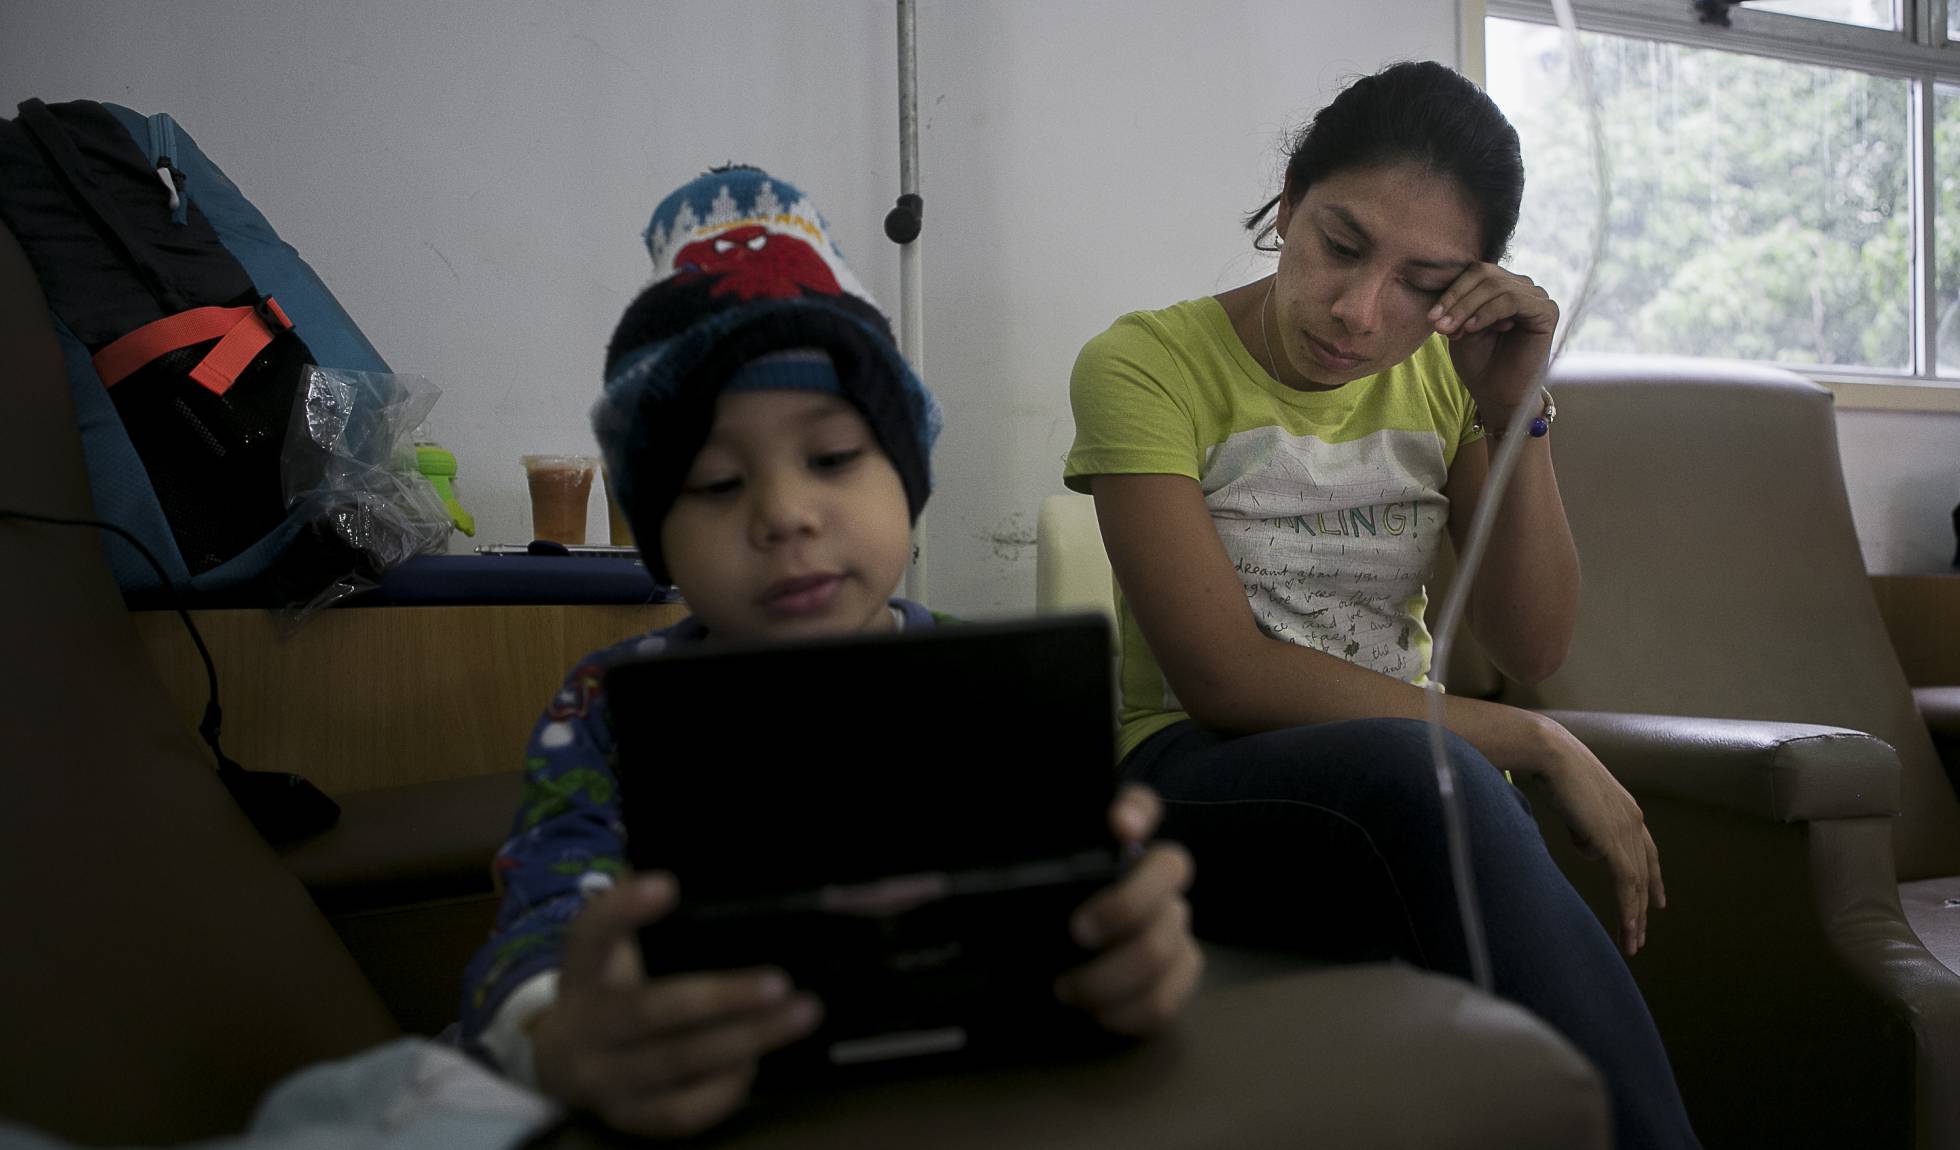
[438,465]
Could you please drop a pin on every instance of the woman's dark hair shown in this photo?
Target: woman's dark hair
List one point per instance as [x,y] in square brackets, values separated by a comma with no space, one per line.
[1417,112]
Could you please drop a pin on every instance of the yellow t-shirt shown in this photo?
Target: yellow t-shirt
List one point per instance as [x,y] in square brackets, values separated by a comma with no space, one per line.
[1330,503]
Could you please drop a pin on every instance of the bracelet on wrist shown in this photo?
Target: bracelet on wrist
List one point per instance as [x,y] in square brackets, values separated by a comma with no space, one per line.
[1540,425]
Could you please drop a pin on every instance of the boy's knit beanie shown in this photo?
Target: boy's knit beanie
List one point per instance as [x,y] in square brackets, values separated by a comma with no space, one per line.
[748,291]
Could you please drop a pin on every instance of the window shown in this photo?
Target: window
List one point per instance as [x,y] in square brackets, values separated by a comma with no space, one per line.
[1866,13]
[1784,189]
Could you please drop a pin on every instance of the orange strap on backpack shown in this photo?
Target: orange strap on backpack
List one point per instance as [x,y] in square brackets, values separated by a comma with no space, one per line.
[241,332]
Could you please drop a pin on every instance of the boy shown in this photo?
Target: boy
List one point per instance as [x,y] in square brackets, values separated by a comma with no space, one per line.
[771,448]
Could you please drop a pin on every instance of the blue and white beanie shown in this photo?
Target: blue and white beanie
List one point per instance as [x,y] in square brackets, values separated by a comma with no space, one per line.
[748,292]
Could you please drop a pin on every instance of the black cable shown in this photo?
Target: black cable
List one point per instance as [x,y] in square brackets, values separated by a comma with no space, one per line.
[213,714]
[282,806]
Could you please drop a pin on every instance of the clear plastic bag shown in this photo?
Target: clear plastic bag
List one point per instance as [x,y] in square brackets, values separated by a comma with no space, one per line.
[349,463]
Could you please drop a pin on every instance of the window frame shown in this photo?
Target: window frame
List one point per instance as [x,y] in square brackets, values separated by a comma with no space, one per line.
[1919,53]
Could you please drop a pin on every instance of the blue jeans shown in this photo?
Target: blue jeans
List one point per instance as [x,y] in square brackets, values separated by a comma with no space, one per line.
[1328,840]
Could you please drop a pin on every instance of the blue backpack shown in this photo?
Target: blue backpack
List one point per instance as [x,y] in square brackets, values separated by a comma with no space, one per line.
[186,324]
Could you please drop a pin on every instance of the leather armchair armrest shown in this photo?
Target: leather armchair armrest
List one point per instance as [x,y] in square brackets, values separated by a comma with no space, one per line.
[1778,772]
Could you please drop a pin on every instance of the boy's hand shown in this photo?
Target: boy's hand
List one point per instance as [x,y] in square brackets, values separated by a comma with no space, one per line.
[663,1057]
[1149,963]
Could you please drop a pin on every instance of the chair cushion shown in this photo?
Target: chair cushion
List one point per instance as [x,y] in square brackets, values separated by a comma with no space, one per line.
[405,879]
[1940,707]
[1932,909]
[399,845]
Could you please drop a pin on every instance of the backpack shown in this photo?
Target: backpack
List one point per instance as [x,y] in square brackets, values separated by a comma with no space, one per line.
[186,325]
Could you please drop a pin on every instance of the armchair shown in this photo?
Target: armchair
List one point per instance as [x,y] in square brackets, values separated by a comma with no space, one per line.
[1730,667]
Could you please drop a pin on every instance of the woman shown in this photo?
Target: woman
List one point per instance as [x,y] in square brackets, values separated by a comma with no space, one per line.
[1273,469]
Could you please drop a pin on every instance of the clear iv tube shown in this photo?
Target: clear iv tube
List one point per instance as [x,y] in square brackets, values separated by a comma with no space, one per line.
[1505,463]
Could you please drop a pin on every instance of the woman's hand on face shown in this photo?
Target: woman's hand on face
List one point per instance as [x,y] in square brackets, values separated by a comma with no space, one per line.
[1607,823]
[1500,327]
[1147,963]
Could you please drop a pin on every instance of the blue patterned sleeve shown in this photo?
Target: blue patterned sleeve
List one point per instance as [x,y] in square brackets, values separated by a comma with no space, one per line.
[566,845]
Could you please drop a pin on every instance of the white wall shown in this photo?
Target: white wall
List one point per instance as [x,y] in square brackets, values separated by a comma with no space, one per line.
[1902,472]
[471,178]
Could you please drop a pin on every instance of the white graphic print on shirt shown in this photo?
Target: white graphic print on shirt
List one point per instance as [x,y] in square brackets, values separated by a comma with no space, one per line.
[1332,541]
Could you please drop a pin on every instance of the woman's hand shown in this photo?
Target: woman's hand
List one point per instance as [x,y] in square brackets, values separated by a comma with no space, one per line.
[1500,327]
[662,1057]
[1606,823]
[1148,963]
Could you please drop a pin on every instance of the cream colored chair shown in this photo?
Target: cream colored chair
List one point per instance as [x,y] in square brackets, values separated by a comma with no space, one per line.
[1723,581]
[1071,569]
